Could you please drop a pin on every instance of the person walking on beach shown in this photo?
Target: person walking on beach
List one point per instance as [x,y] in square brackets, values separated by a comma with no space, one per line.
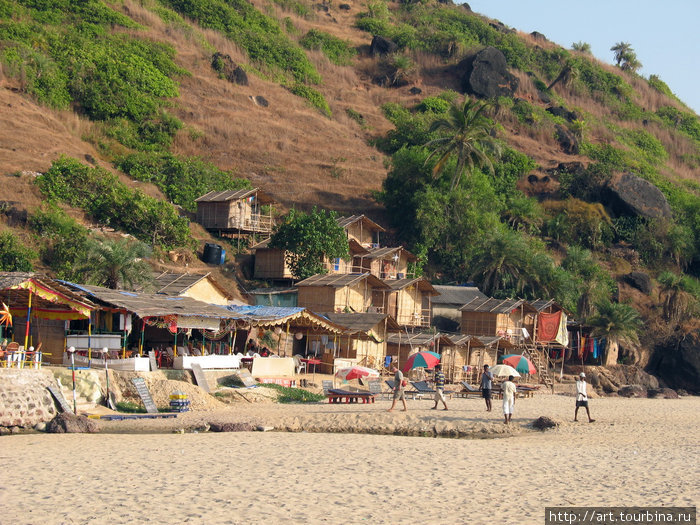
[439,380]
[508,388]
[582,397]
[486,385]
[398,389]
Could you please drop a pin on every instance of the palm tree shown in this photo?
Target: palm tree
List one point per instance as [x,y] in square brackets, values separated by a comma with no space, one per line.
[568,73]
[621,50]
[468,137]
[583,47]
[115,263]
[677,302]
[617,323]
[501,264]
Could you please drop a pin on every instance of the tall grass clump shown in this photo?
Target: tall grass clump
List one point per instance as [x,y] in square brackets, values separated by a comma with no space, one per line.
[337,50]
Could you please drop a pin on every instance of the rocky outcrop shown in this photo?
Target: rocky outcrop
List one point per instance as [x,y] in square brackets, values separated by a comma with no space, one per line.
[544,422]
[486,74]
[71,424]
[628,194]
[231,427]
[666,393]
[677,362]
[639,280]
[228,69]
[632,391]
[382,46]
[539,37]
[567,140]
[561,111]
[611,379]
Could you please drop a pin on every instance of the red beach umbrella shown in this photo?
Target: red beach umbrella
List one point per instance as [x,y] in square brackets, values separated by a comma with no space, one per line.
[421,359]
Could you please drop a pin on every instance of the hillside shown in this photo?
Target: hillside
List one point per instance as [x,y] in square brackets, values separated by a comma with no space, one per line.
[317,113]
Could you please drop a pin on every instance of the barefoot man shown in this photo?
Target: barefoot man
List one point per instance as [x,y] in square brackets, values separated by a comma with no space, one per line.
[582,397]
[398,389]
[486,385]
[439,380]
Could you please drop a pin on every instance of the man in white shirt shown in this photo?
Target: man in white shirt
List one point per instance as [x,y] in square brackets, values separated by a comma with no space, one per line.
[582,397]
[508,389]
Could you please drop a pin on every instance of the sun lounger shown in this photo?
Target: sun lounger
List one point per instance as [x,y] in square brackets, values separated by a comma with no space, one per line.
[336,395]
[468,391]
[421,388]
[375,387]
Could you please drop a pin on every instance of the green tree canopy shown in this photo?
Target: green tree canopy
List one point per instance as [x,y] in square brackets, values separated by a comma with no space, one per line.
[308,239]
[14,256]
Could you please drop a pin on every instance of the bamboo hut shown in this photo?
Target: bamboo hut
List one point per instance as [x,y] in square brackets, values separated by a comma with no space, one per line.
[402,344]
[362,230]
[364,339]
[498,317]
[407,301]
[340,293]
[385,263]
[468,354]
[202,287]
[236,212]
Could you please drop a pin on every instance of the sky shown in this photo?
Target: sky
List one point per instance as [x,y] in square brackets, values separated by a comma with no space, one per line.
[665,35]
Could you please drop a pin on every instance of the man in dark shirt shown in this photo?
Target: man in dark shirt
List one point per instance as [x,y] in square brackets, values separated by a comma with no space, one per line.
[398,389]
[486,385]
[439,380]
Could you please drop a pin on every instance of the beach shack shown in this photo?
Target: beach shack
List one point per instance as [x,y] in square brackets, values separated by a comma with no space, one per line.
[341,292]
[464,359]
[385,263]
[407,301]
[445,307]
[363,340]
[498,317]
[40,308]
[362,230]
[270,263]
[401,344]
[235,213]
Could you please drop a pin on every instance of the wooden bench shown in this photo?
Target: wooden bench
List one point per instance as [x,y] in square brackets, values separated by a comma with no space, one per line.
[339,396]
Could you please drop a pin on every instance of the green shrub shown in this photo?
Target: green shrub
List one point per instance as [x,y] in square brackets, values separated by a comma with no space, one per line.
[316,99]
[356,116]
[686,123]
[659,85]
[293,395]
[338,51]
[102,195]
[181,179]
[14,256]
[646,144]
[64,241]
[435,105]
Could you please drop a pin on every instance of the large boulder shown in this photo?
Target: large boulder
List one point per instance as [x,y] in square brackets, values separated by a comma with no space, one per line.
[677,362]
[66,423]
[567,140]
[228,69]
[632,391]
[628,194]
[665,393]
[382,46]
[486,74]
[561,111]
[639,280]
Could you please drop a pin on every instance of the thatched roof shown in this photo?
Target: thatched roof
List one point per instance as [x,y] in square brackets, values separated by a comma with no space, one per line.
[280,315]
[362,322]
[418,339]
[234,195]
[496,306]
[341,280]
[419,282]
[456,295]
[387,253]
[344,222]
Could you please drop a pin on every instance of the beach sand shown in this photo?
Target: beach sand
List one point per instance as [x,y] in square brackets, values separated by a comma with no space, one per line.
[637,452]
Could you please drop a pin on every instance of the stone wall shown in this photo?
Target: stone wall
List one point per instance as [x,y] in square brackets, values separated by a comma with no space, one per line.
[24,399]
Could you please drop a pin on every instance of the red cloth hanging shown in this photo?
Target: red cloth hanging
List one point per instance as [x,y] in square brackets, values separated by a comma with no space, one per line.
[548,326]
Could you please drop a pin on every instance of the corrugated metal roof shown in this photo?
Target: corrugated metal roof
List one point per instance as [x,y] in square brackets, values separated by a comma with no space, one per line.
[340,280]
[496,306]
[457,295]
[464,340]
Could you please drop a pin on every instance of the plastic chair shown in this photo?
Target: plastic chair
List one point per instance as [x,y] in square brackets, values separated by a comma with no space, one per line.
[299,364]
[12,353]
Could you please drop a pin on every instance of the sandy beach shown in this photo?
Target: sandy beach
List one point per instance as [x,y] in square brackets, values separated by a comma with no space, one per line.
[637,452]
